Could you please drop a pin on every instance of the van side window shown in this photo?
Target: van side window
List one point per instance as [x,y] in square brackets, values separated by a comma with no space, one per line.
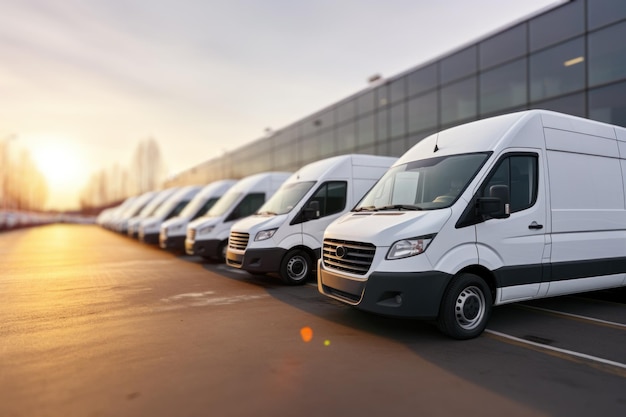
[516,176]
[331,197]
[246,207]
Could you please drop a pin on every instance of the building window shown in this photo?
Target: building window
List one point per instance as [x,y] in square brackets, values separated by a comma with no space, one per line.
[573,104]
[397,147]
[503,47]
[559,70]
[421,80]
[397,89]
[503,87]
[423,112]
[607,104]
[557,25]
[366,133]
[346,111]
[458,101]
[458,65]
[366,102]
[604,12]
[346,138]
[398,120]
[607,55]
[382,124]
[327,143]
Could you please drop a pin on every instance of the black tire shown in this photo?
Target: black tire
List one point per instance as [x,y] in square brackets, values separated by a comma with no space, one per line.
[465,307]
[296,267]
[220,254]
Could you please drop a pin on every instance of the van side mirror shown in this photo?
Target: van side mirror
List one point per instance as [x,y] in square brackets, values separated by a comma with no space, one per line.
[312,210]
[492,207]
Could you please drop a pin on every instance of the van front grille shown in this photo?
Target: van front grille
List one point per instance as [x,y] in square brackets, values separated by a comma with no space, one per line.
[238,240]
[344,255]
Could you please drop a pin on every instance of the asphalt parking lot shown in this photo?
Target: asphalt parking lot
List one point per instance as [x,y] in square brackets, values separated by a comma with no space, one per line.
[97,324]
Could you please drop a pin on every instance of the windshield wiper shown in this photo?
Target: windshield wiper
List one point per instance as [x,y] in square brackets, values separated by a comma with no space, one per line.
[366,208]
[399,207]
[267,213]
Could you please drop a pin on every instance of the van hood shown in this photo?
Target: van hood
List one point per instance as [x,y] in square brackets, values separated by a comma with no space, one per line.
[383,228]
[256,223]
[203,221]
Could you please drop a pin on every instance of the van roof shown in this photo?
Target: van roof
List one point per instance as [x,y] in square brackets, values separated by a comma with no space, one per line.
[488,134]
[315,170]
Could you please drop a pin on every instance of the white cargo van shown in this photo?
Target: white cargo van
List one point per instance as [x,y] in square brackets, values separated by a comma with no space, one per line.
[207,236]
[119,223]
[285,235]
[132,229]
[150,227]
[173,231]
[515,207]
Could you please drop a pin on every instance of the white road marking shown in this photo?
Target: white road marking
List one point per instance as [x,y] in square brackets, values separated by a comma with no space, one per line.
[561,313]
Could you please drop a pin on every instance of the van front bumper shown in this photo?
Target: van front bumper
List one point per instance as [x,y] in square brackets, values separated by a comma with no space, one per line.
[256,261]
[205,248]
[172,242]
[398,294]
[150,238]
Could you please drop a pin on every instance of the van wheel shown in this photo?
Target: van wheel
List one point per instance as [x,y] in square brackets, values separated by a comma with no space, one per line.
[465,308]
[221,251]
[295,267]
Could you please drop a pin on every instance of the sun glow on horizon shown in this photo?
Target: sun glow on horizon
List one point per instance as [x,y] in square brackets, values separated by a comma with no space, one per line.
[64,170]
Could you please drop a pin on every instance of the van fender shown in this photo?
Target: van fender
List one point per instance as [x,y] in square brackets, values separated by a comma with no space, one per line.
[290,241]
[489,258]
[457,258]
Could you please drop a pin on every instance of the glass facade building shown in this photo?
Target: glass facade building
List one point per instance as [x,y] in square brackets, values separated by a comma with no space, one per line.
[570,59]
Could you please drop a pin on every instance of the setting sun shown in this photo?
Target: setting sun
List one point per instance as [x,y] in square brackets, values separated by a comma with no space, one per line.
[60,162]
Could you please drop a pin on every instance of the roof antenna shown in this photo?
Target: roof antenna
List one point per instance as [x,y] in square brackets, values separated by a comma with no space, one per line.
[436,147]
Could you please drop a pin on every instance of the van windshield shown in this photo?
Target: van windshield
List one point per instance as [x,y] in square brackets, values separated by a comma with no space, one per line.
[425,184]
[286,198]
[224,204]
[198,206]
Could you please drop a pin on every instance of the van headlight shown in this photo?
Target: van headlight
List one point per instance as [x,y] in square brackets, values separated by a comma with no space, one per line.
[206,230]
[265,234]
[409,247]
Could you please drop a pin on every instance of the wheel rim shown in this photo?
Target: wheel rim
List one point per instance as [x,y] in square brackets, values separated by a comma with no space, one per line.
[469,308]
[297,268]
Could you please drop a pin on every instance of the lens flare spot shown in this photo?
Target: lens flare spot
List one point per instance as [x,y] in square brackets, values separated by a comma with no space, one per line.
[306,333]
[326,342]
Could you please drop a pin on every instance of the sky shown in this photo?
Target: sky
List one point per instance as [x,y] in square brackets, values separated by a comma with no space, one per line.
[82,82]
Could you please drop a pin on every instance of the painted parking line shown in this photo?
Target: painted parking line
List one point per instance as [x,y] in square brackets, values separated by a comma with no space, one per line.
[605,364]
[576,316]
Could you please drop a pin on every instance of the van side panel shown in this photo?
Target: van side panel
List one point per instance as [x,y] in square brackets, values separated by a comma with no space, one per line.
[588,212]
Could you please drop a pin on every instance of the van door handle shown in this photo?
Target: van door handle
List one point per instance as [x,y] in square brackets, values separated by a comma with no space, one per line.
[535,225]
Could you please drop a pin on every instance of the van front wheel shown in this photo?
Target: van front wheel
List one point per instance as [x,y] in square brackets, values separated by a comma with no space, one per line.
[465,307]
[295,267]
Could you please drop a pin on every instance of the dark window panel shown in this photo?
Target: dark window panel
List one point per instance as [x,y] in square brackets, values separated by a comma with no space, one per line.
[459,65]
[382,96]
[310,149]
[557,25]
[607,55]
[423,112]
[503,87]
[397,147]
[346,111]
[607,104]
[397,89]
[327,143]
[366,102]
[458,101]
[346,138]
[417,137]
[382,125]
[604,12]
[366,130]
[573,104]
[397,123]
[421,80]
[556,71]
[503,47]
